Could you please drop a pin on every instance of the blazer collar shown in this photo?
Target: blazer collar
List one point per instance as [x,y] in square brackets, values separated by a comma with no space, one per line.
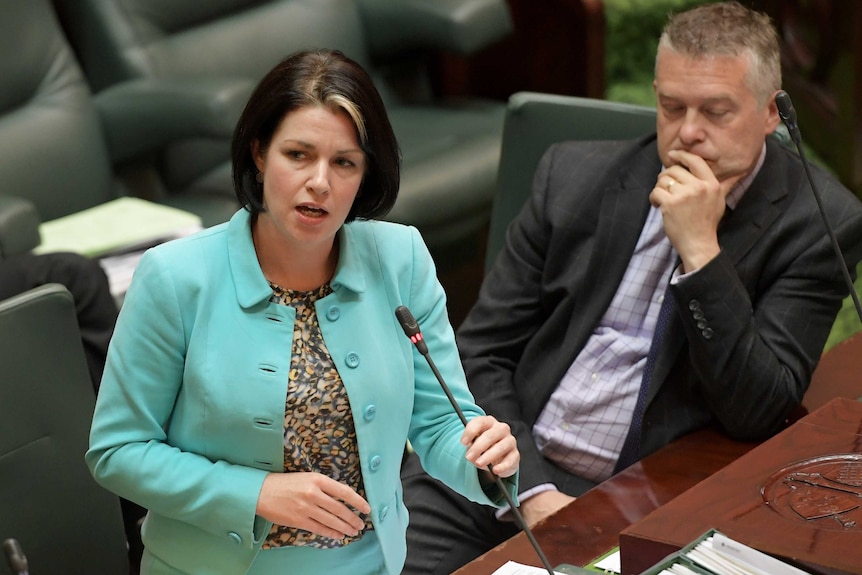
[249,281]
[738,233]
[759,207]
[625,201]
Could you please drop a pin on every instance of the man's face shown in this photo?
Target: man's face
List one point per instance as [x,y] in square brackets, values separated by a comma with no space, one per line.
[706,107]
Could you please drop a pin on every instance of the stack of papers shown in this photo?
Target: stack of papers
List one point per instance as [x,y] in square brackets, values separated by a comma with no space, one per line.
[717,554]
[118,232]
[121,225]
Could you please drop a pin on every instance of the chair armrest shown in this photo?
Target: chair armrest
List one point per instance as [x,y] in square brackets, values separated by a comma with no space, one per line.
[143,115]
[19,226]
[460,26]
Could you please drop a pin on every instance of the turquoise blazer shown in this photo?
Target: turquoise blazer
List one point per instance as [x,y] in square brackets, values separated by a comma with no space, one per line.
[189,418]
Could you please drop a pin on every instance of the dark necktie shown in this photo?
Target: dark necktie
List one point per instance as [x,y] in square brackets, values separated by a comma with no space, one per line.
[630,452]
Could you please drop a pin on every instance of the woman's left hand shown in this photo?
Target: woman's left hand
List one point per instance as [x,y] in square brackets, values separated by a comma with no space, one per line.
[490,442]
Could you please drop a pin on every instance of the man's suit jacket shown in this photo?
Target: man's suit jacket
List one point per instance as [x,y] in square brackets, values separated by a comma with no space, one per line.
[749,326]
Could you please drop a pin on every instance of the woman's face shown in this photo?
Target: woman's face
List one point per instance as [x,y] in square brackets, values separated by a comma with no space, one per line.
[312,170]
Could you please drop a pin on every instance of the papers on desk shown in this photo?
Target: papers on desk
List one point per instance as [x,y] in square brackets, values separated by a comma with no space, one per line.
[512,568]
[118,232]
[122,225]
[712,554]
[609,563]
[716,554]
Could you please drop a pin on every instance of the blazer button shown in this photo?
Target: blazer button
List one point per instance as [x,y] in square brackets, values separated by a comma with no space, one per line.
[352,360]
[370,412]
[234,537]
[707,333]
[384,511]
[375,462]
[698,314]
[693,305]
[333,313]
[701,324]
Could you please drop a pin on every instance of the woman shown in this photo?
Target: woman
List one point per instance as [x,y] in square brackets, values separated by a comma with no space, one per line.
[259,391]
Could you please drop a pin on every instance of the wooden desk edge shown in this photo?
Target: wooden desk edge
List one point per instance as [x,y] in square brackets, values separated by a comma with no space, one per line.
[590,526]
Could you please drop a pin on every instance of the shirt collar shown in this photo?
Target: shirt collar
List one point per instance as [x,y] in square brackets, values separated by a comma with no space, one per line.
[742,185]
[252,286]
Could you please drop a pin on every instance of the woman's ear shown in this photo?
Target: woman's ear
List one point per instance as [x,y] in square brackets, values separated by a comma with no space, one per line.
[256,155]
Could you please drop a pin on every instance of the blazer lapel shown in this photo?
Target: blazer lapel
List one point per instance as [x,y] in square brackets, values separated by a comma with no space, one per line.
[738,232]
[624,208]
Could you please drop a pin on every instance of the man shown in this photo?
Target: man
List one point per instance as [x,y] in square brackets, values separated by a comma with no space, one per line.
[95,307]
[96,312]
[709,216]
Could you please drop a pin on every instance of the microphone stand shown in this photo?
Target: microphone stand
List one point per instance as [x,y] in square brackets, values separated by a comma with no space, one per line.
[411,329]
[788,115]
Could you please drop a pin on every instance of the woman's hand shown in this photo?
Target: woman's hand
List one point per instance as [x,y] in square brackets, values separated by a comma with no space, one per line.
[490,442]
[313,502]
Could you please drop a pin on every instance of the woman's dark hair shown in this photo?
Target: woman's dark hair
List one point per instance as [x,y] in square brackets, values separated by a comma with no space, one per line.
[319,78]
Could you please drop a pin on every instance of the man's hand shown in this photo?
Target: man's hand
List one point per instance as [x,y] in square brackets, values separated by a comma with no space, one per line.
[543,504]
[692,202]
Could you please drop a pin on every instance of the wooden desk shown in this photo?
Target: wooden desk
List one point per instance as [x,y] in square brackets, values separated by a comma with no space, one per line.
[795,496]
[589,526]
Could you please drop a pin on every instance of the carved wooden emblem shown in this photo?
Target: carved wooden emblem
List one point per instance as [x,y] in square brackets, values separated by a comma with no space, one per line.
[823,490]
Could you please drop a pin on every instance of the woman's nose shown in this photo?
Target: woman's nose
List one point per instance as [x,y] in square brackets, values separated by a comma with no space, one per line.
[318,181]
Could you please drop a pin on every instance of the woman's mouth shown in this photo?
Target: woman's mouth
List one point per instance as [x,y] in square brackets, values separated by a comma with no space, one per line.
[311,211]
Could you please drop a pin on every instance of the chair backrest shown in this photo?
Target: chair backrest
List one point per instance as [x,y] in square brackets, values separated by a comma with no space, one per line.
[119,40]
[533,122]
[450,150]
[64,521]
[52,150]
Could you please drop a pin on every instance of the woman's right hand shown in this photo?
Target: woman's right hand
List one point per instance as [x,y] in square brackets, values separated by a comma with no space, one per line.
[313,502]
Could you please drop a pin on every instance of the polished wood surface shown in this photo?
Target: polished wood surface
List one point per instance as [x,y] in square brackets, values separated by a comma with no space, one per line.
[795,496]
[589,526]
[837,374]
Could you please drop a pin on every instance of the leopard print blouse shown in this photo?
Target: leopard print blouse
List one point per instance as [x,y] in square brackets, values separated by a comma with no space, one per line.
[319,434]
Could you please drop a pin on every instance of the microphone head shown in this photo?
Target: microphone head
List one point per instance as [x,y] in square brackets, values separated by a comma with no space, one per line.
[786,111]
[407,321]
[411,328]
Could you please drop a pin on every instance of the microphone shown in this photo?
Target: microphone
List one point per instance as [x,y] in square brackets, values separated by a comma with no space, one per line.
[412,331]
[787,113]
[15,557]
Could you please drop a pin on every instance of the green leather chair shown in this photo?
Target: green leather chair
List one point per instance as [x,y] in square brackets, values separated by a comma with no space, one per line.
[200,54]
[54,159]
[533,122]
[64,521]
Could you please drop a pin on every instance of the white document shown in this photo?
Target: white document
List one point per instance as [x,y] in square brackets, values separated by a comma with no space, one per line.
[512,568]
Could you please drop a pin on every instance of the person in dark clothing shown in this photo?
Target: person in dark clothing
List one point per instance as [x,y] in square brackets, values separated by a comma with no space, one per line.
[708,228]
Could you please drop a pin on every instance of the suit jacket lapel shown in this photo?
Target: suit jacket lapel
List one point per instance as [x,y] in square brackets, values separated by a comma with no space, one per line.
[738,232]
[624,208]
